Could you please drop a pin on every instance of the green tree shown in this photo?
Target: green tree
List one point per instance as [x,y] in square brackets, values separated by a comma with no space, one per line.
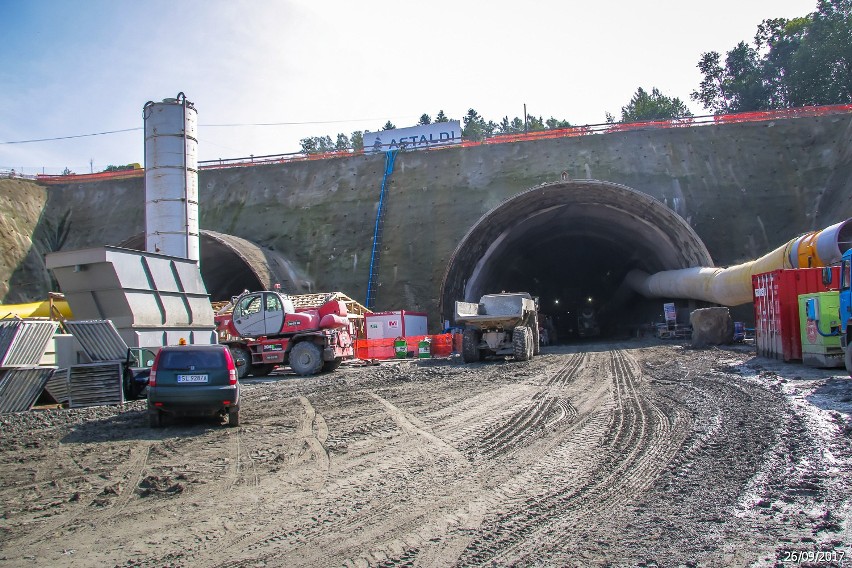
[475,127]
[534,124]
[357,140]
[424,119]
[646,106]
[388,126]
[803,61]
[553,124]
[441,117]
[342,142]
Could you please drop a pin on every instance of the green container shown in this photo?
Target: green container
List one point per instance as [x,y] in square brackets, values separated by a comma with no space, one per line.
[819,318]
[424,349]
[400,349]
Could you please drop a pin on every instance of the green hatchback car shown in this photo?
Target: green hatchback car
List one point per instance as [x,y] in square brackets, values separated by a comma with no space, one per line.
[193,380]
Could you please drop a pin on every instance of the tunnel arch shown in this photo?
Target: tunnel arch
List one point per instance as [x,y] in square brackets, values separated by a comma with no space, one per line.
[570,243]
[231,264]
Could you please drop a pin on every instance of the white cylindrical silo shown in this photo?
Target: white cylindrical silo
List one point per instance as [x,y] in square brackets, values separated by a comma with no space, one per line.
[171,178]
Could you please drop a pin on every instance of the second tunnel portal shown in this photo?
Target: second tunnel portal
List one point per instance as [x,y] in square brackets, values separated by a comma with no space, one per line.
[571,243]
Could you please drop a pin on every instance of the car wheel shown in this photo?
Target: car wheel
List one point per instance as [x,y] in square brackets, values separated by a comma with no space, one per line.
[240,354]
[234,417]
[306,358]
[329,366]
[155,418]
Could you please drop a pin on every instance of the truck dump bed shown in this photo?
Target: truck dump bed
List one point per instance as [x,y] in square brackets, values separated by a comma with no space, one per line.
[495,310]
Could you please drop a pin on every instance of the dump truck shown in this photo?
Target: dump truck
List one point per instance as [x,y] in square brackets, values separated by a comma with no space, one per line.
[265,330]
[499,324]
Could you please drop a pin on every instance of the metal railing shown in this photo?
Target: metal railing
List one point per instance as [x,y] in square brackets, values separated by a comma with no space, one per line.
[570,132]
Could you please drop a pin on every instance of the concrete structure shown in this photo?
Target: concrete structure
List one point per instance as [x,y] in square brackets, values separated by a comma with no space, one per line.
[659,199]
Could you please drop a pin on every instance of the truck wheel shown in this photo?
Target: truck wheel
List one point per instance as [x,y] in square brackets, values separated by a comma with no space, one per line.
[470,346]
[522,343]
[306,358]
[329,366]
[240,354]
[261,370]
[536,340]
[849,359]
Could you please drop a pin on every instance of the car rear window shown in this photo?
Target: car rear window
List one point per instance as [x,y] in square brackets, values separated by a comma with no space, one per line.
[177,360]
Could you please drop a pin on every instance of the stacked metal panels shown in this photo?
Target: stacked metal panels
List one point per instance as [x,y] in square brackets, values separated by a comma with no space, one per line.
[23,342]
[95,384]
[57,386]
[99,339]
[21,387]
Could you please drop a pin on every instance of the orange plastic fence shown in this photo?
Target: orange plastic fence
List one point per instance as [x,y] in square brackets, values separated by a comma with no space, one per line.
[497,139]
[101,176]
[442,346]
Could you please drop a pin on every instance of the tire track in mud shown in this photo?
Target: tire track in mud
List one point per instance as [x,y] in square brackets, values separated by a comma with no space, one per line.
[548,407]
[635,447]
[134,469]
[308,450]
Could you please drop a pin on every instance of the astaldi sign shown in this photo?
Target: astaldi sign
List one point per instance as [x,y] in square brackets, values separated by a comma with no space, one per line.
[414,138]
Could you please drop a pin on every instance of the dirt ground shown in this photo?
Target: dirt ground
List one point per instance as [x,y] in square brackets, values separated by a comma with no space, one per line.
[627,454]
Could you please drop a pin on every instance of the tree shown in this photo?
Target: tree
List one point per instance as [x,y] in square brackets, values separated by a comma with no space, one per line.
[317,145]
[534,124]
[803,61]
[654,106]
[441,117]
[342,142]
[474,126]
[388,126]
[424,119]
[357,140]
[553,124]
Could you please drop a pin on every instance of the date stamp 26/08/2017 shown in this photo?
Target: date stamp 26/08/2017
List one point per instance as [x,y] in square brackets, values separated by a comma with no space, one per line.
[813,556]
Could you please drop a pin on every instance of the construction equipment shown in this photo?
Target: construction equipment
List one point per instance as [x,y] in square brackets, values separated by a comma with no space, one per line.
[839,324]
[265,329]
[500,324]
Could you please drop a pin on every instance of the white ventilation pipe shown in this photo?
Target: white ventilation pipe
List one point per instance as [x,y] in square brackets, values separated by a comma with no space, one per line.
[732,286]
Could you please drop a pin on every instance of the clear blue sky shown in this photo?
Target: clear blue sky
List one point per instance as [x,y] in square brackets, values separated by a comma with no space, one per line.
[86,66]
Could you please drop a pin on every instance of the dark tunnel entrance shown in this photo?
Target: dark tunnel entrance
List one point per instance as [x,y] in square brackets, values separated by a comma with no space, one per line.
[231,264]
[571,244]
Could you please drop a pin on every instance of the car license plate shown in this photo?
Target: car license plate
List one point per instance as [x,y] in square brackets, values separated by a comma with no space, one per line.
[192,378]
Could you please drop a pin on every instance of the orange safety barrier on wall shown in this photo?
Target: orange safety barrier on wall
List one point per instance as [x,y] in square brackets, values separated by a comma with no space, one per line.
[365,349]
[758,116]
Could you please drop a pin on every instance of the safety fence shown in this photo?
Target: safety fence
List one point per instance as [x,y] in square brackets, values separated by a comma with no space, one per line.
[369,349]
[570,132]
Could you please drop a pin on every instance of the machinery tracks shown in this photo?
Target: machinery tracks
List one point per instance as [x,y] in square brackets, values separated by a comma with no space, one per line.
[620,453]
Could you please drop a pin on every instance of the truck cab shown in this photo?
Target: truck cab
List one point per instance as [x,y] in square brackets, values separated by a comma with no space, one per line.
[846,300]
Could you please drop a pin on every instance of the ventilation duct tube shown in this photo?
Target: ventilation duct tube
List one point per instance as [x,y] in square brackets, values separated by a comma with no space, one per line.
[732,286]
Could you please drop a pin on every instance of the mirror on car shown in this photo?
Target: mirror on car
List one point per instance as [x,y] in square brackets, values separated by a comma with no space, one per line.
[149,363]
[239,362]
[826,275]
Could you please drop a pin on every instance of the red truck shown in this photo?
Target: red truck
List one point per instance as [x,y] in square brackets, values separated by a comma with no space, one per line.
[266,330]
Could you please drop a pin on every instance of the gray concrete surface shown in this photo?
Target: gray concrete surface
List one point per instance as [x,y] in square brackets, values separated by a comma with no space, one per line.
[743,188]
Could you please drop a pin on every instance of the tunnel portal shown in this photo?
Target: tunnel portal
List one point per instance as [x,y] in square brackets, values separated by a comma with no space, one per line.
[231,264]
[571,244]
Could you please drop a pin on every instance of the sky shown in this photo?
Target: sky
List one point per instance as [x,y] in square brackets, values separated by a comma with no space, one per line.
[70,68]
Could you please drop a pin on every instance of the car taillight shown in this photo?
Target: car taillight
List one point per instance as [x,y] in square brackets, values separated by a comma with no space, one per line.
[232,368]
[152,378]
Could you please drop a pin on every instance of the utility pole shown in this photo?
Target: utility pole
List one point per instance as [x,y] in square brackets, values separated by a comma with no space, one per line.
[91,165]
[525,118]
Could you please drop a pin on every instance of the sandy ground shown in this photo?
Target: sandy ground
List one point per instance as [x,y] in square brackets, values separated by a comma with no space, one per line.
[629,454]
